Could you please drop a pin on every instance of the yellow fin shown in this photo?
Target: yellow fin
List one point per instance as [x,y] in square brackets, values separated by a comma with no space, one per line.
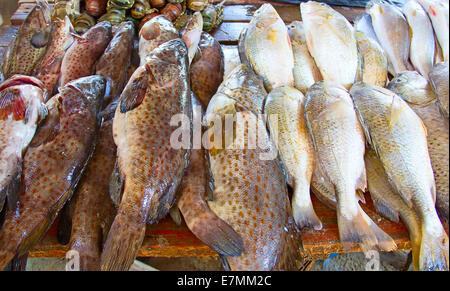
[395,113]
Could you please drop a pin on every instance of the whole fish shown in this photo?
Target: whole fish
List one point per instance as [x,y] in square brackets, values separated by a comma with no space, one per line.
[392,31]
[440,83]
[268,48]
[399,138]
[326,28]
[113,64]
[375,64]
[285,112]
[153,34]
[207,70]
[306,72]
[417,91]
[21,109]
[249,184]
[339,143]
[53,164]
[438,11]
[191,34]
[422,49]
[79,60]
[93,208]
[150,165]
[193,203]
[31,41]
[48,69]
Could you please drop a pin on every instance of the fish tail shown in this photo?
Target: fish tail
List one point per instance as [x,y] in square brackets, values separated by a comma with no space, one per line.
[6,255]
[303,209]
[434,249]
[385,242]
[123,243]
[12,189]
[290,257]
[18,263]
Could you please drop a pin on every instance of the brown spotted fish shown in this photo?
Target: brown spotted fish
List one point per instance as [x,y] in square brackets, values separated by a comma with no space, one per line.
[151,164]
[79,61]
[207,69]
[21,109]
[93,210]
[53,164]
[114,63]
[193,203]
[153,34]
[49,67]
[31,41]
[249,190]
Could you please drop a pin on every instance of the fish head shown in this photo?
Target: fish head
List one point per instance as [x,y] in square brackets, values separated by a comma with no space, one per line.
[413,88]
[265,17]
[39,17]
[99,35]
[160,26]
[296,32]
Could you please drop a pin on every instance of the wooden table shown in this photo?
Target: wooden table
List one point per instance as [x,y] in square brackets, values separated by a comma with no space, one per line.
[169,240]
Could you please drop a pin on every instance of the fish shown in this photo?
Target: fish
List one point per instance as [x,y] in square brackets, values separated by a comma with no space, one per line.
[93,209]
[422,49]
[364,25]
[22,108]
[192,33]
[53,164]
[326,28]
[284,109]
[392,30]
[48,68]
[438,11]
[417,92]
[151,166]
[339,144]
[306,72]
[207,69]
[154,33]
[440,83]
[30,43]
[79,60]
[9,34]
[375,64]
[193,203]
[399,138]
[268,48]
[113,64]
[249,185]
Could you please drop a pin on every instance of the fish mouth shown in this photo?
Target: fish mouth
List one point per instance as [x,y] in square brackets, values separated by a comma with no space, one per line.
[18,80]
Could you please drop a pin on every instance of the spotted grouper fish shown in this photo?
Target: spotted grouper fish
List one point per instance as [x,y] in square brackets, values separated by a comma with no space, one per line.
[31,41]
[49,67]
[207,68]
[79,61]
[249,190]
[53,164]
[150,165]
[21,109]
[114,63]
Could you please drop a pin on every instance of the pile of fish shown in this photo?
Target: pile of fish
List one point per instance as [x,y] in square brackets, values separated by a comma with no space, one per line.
[93,117]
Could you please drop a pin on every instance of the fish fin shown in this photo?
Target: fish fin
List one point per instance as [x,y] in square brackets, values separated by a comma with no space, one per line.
[198,56]
[122,245]
[12,102]
[18,263]
[225,263]
[385,209]
[116,185]
[134,93]
[303,210]
[49,127]
[290,255]
[360,70]
[360,196]
[217,234]
[12,190]
[434,250]
[65,222]
[176,215]
[395,113]
[241,49]
[362,182]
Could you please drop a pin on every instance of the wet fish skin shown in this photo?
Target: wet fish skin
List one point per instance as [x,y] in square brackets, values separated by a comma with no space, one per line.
[417,91]
[375,64]
[153,34]
[364,25]
[292,139]
[48,68]
[440,83]
[250,193]
[399,138]
[21,109]
[150,166]
[79,60]
[113,64]
[339,144]
[306,72]
[93,208]
[268,48]
[9,33]
[192,33]
[207,69]
[422,49]
[53,164]
[392,31]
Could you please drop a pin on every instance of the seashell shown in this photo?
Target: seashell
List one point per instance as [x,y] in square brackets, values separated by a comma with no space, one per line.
[140,9]
[148,17]
[197,5]
[95,7]
[212,17]
[157,3]
[62,8]
[172,11]
[119,4]
[114,16]
[83,22]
